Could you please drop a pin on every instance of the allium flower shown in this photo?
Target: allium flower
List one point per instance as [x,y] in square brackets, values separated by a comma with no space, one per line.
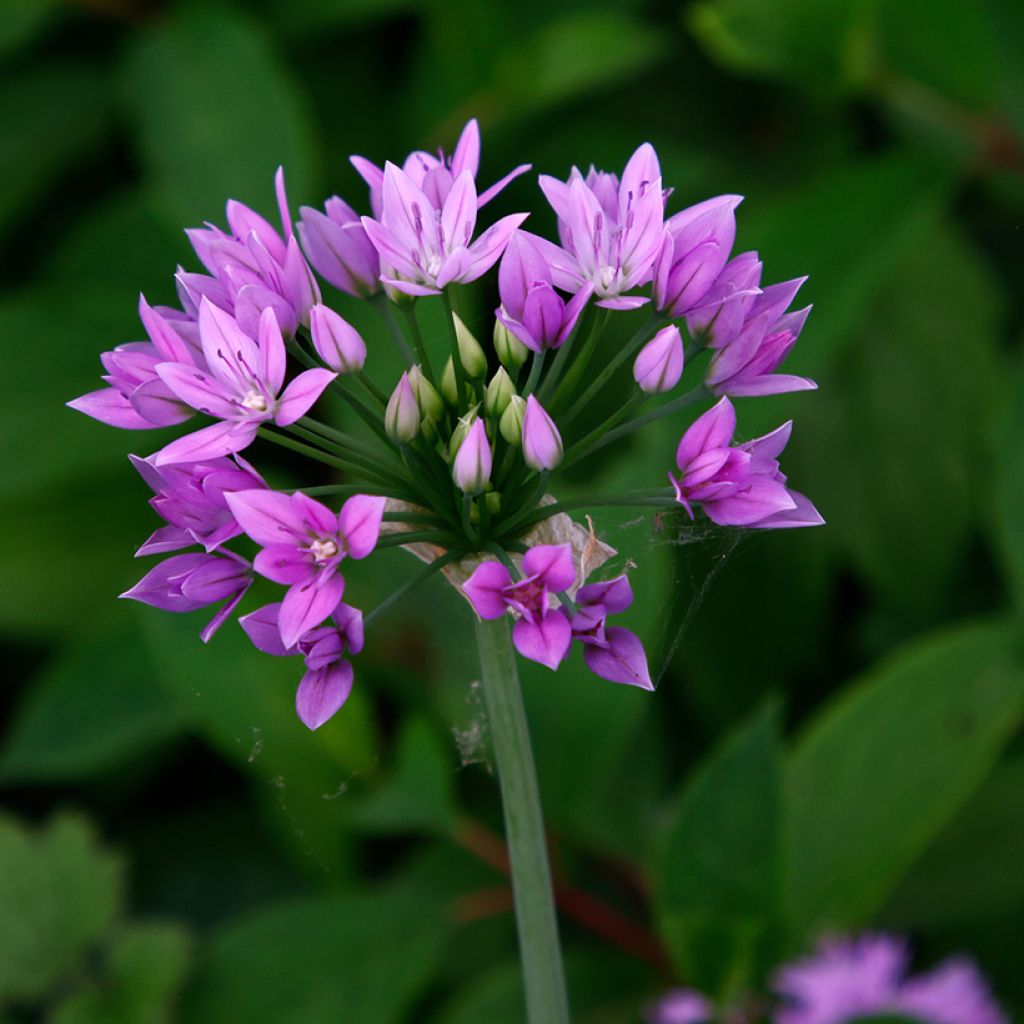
[328,679]
[429,245]
[337,343]
[659,364]
[611,231]
[304,543]
[435,175]
[741,485]
[471,469]
[542,633]
[725,306]
[746,363]
[680,1006]
[252,269]
[337,245]
[191,498]
[530,307]
[183,583]
[695,250]
[402,415]
[242,387]
[135,398]
[610,651]
[542,444]
[847,979]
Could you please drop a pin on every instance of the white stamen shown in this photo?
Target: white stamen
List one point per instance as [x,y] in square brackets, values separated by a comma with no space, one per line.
[323,549]
[255,400]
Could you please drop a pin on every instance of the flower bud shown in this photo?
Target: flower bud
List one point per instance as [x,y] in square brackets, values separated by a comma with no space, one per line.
[511,423]
[510,350]
[542,444]
[461,430]
[499,391]
[492,499]
[402,416]
[474,359]
[430,402]
[448,388]
[336,341]
[659,365]
[472,467]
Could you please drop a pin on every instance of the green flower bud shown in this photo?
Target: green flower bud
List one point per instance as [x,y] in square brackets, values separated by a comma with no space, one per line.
[448,388]
[474,359]
[511,423]
[493,501]
[431,403]
[511,351]
[499,391]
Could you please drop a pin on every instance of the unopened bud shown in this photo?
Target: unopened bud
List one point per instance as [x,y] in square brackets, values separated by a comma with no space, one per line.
[474,359]
[542,444]
[499,392]
[448,388]
[492,499]
[472,467]
[510,350]
[460,431]
[511,423]
[337,342]
[659,364]
[402,416]
[430,402]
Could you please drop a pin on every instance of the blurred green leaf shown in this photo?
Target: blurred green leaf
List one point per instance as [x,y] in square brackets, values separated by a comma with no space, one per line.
[718,872]
[143,970]
[53,115]
[496,997]
[1008,519]
[362,959]
[24,21]
[420,793]
[973,868]
[907,419]
[848,230]
[885,766]
[96,707]
[217,112]
[59,891]
[825,44]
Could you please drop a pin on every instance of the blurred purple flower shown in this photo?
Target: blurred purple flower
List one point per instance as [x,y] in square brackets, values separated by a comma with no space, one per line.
[741,485]
[541,633]
[680,1006]
[242,388]
[611,652]
[303,544]
[327,682]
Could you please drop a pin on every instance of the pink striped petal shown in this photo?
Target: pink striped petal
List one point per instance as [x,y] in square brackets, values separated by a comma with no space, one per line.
[322,693]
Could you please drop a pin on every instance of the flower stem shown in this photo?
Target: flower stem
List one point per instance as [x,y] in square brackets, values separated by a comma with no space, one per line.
[541,955]
[575,372]
[417,341]
[384,306]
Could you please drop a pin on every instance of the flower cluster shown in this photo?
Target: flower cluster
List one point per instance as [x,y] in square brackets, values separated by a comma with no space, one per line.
[454,462]
[848,980]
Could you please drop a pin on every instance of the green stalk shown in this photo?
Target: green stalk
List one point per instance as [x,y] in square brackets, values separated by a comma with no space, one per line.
[457,367]
[540,953]
[384,306]
[417,341]
[579,364]
[410,584]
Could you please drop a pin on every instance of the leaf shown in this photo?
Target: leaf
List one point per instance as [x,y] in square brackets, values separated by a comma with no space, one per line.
[887,764]
[819,44]
[420,794]
[718,871]
[96,707]
[53,115]
[322,960]
[59,891]
[217,113]
[23,22]
[1009,486]
[142,972]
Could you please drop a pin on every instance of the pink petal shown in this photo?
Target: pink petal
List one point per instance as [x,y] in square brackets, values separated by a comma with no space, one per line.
[272,354]
[253,299]
[613,595]
[199,390]
[359,522]
[301,394]
[466,157]
[552,565]
[622,661]
[484,589]
[165,339]
[208,443]
[227,349]
[268,517]
[499,186]
[306,605]
[489,246]
[261,628]
[545,641]
[284,563]
[458,217]
[155,402]
[109,406]
[322,693]
[714,429]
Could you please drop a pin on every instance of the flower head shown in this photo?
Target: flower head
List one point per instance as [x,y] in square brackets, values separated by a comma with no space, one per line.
[304,543]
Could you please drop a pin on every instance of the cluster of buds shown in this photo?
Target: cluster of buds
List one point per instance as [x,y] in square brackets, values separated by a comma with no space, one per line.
[454,464]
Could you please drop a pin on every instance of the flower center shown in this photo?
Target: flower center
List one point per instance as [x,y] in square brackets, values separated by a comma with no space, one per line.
[324,549]
[255,400]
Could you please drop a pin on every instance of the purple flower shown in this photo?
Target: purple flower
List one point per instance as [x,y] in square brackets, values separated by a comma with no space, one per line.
[611,232]
[242,387]
[541,633]
[190,497]
[530,307]
[426,245]
[183,583]
[336,341]
[542,444]
[402,415]
[303,544]
[435,175]
[680,1006]
[610,651]
[741,485]
[725,306]
[471,469]
[339,248]
[659,364]
[252,269]
[694,252]
[745,364]
[135,398]
[328,679]
[847,979]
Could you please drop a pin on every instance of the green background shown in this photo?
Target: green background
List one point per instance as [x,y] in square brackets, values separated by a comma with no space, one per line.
[835,741]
